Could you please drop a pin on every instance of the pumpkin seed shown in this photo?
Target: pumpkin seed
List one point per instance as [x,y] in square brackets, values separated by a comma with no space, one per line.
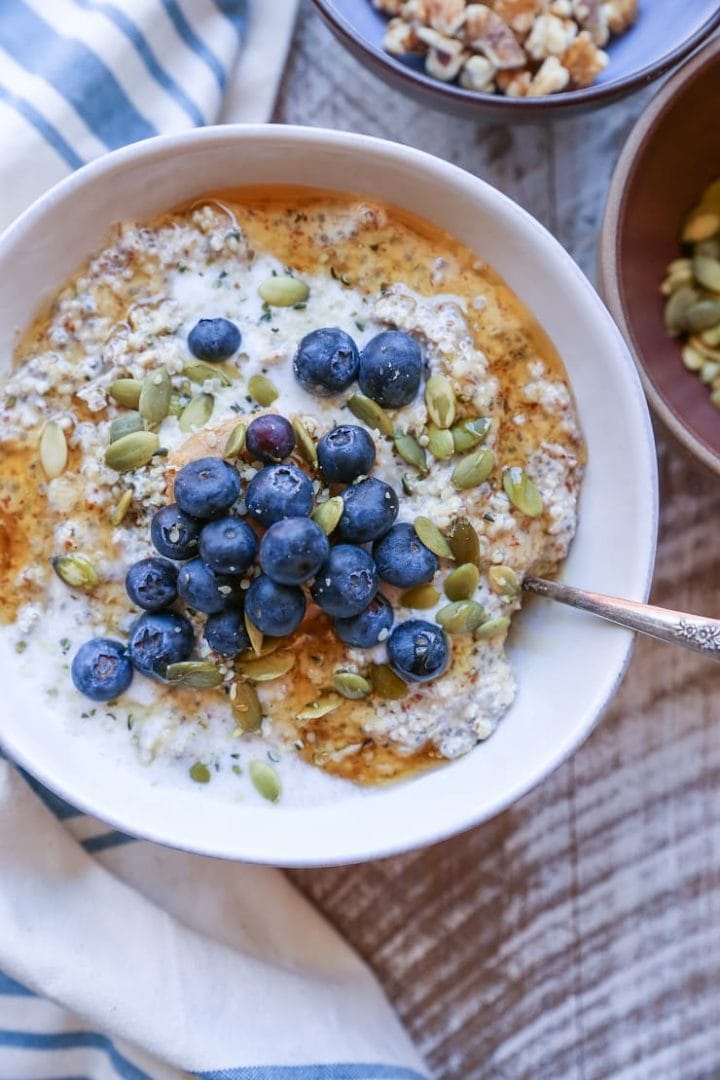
[199,674]
[709,371]
[246,707]
[676,309]
[473,470]
[711,337]
[121,507]
[255,635]
[700,224]
[371,414]
[440,400]
[325,704]
[265,780]
[464,542]
[351,685]
[697,343]
[386,684]
[702,314]
[327,514]
[197,412]
[177,404]
[707,272]
[132,451]
[200,372]
[461,583]
[691,358]
[461,616]
[411,451]
[521,491]
[125,425]
[715,398]
[76,570]
[711,248]
[470,433]
[262,390]
[492,628]
[283,290]
[154,404]
[305,443]
[429,535]
[53,450]
[126,392]
[408,483]
[200,773]
[504,581]
[420,597]
[711,195]
[266,668]
[440,443]
[236,443]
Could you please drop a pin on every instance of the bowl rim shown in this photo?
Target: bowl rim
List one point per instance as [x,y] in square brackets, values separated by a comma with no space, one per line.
[609,246]
[416,832]
[553,103]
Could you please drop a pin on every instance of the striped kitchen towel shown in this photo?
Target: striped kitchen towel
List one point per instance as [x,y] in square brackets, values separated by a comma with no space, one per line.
[119,958]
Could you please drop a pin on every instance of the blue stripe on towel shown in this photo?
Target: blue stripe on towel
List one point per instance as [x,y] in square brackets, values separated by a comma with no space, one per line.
[73,1040]
[10,988]
[61,809]
[76,72]
[50,133]
[191,39]
[339,1071]
[146,54]
[235,11]
[107,840]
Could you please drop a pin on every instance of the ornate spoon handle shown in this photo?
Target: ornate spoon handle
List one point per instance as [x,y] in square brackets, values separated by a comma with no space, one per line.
[691,631]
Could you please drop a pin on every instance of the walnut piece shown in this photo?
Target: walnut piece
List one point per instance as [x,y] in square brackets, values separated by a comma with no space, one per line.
[447,16]
[487,33]
[621,14]
[549,79]
[514,83]
[401,39]
[519,14]
[550,36]
[478,74]
[446,55]
[584,60]
[388,7]
[592,15]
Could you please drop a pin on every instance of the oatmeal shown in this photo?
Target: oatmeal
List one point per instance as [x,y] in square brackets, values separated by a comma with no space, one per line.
[273,468]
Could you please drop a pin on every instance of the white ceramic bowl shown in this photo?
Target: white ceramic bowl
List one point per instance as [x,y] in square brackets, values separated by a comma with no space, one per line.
[568,664]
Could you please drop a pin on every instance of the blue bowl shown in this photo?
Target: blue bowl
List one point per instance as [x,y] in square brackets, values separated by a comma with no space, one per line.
[661,37]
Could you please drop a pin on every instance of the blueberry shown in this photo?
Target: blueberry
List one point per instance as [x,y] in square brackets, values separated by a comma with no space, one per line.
[275,609]
[228,545]
[402,559]
[293,550]
[214,339]
[101,669]
[225,632]
[418,650]
[201,588]
[345,453]
[346,583]
[207,487]
[277,492]
[369,509]
[160,638]
[326,361]
[390,369]
[152,583]
[174,533]
[364,630]
[270,438]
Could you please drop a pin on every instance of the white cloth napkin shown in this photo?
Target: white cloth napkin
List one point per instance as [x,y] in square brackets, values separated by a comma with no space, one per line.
[119,958]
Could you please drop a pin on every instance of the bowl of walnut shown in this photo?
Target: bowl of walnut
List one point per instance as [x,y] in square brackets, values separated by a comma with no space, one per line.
[521,59]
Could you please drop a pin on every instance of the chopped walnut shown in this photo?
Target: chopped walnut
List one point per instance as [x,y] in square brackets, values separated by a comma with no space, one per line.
[621,14]
[401,39]
[550,36]
[487,33]
[447,16]
[592,15]
[549,79]
[561,8]
[446,55]
[415,11]
[584,60]
[388,7]
[519,14]
[478,74]
[514,83]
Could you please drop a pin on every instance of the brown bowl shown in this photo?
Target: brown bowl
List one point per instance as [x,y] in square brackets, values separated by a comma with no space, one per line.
[672,154]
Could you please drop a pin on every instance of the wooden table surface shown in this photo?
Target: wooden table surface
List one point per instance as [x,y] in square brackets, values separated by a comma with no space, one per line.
[577,935]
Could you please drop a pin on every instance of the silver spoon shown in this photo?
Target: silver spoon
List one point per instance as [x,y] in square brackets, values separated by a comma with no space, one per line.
[691,631]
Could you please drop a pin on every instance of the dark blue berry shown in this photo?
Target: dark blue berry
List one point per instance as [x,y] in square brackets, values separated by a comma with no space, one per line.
[270,438]
[275,609]
[418,650]
[152,583]
[226,633]
[369,509]
[158,639]
[205,590]
[390,369]
[175,534]
[346,583]
[228,545]
[207,487]
[364,630]
[214,339]
[277,492]
[326,361]
[402,559]
[345,453]
[293,550]
[101,669]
